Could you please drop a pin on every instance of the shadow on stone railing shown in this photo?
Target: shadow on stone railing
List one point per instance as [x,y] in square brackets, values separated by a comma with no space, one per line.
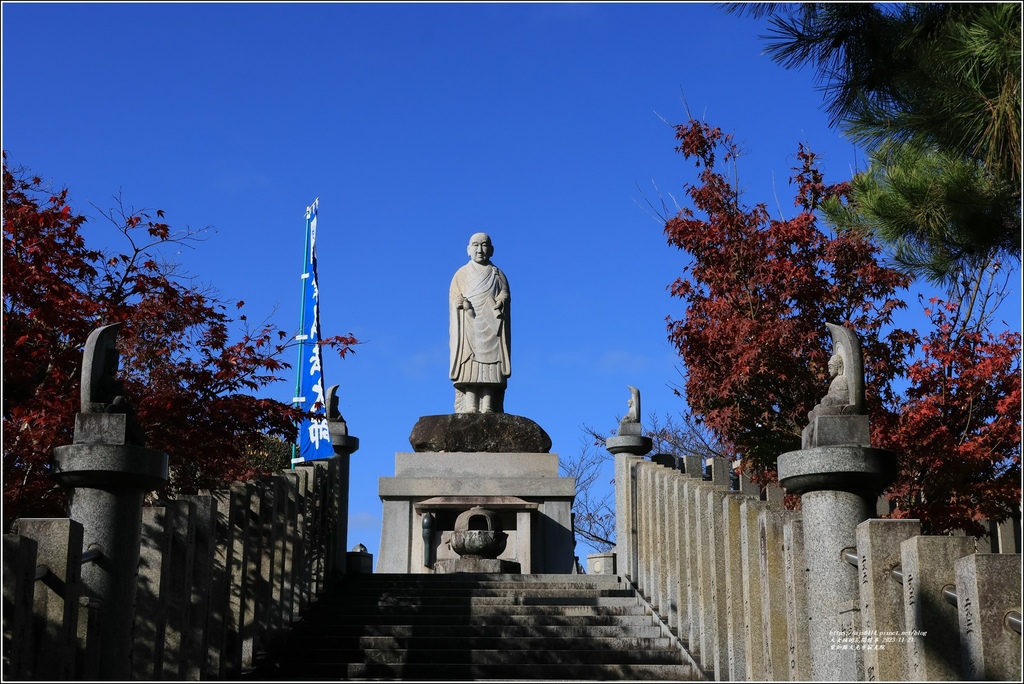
[220,577]
[189,588]
[731,573]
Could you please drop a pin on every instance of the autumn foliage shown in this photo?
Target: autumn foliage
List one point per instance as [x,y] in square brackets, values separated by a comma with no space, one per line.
[758,292]
[957,428]
[189,380]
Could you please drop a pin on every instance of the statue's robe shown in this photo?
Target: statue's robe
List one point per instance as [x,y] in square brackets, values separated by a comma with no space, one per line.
[480,340]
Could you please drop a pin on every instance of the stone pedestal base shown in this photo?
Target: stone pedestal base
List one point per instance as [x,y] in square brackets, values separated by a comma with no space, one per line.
[476,565]
[534,503]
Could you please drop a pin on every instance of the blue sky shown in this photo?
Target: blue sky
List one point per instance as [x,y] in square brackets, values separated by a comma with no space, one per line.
[545,125]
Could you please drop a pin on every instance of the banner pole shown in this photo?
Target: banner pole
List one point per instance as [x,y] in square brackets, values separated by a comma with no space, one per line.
[301,337]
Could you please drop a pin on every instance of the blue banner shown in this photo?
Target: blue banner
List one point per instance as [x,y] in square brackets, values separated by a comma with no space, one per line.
[314,437]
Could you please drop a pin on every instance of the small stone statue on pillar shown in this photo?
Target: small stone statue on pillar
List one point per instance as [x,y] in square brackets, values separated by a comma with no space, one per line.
[838,476]
[344,444]
[630,439]
[108,471]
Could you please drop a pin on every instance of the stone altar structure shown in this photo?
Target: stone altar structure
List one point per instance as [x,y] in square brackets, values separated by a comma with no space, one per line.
[478,458]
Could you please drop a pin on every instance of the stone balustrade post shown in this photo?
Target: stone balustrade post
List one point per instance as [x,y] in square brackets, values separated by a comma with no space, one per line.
[881,598]
[344,446]
[56,597]
[988,587]
[750,576]
[19,554]
[206,611]
[797,619]
[733,578]
[629,447]
[928,567]
[775,611]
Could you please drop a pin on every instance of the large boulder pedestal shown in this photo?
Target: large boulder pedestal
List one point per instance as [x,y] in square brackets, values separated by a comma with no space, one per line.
[467,461]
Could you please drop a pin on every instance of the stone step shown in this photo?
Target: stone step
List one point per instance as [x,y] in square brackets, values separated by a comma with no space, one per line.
[507,671]
[411,656]
[479,627]
[467,610]
[533,645]
[474,590]
[481,579]
[403,625]
[511,599]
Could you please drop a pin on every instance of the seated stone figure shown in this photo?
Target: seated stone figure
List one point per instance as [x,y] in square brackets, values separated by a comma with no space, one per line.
[846,391]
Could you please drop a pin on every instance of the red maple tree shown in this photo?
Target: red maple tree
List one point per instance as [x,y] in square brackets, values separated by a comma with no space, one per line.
[188,380]
[957,428]
[753,340]
[758,292]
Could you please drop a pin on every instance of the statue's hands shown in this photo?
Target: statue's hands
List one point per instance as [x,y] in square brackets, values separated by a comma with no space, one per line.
[467,306]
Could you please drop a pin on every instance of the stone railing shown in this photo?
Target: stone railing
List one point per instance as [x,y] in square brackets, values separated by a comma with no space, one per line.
[220,575]
[729,572]
[187,588]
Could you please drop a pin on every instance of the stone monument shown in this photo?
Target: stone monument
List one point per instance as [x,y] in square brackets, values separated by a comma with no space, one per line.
[479,458]
[838,476]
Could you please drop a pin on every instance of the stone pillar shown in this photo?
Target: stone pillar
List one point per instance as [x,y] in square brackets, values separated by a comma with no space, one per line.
[628,447]
[344,446]
[796,600]
[717,538]
[19,554]
[775,611]
[107,477]
[839,486]
[931,621]
[56,597]
[750,576]
[881,598]
[988,586]
[689,575]
[202,607]
[736,644]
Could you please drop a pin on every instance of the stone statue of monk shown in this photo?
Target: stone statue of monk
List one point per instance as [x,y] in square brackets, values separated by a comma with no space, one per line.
[480,331]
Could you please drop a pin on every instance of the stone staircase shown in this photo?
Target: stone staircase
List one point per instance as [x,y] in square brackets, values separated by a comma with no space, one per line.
[479,627]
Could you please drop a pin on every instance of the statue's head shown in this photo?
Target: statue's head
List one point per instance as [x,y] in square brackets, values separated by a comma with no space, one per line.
[835,365]
[480,248]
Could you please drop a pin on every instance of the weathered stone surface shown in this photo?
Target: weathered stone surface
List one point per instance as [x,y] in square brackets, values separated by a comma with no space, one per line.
[476,566]
[479,432]
[845,468]
[931,622]
[988,587]
[881,599]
